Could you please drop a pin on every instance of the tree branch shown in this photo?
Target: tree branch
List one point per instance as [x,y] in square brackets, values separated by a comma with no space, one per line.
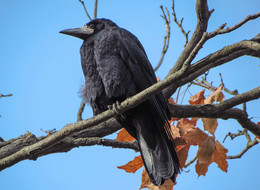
[226,54]
[177,79]
[90,132]
[166,38]
[81,109]
[203,15]
[95,9]
[179,24]
[83,4]
[248,146]
[7,95]
[236,26]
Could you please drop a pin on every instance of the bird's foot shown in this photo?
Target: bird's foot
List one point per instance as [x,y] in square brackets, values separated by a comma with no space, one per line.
[115,107]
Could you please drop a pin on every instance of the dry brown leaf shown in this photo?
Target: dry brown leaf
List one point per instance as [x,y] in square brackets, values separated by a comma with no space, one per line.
[215,96]
[146,183]
[190,133]
[175,131]
[220,156]
[197,98]
[210,125]
[123,135]
[202,168]
[185,125]
[133,166]
[195,136]
[182,152]
[206,149]
[171,101]
[219,96]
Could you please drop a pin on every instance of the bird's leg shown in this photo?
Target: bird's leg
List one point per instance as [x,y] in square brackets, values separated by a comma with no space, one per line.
[115,107]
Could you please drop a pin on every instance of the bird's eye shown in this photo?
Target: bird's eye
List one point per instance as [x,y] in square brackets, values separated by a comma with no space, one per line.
[91,25]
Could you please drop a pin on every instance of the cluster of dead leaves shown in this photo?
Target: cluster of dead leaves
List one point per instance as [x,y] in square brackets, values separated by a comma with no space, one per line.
[187,134]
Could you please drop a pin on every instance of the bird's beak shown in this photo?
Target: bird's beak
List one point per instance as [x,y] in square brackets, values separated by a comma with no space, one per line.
[81,33]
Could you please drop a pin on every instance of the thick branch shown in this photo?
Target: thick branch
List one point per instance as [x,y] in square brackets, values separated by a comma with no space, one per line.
[177,79]
[129,103]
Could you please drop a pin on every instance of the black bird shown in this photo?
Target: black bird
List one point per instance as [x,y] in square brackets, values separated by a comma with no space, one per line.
[116,67]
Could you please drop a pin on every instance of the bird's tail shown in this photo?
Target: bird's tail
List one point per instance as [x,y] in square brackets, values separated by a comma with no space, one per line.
[157,149]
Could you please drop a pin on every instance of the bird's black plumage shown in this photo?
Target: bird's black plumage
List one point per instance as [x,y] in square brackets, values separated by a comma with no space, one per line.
[115,67]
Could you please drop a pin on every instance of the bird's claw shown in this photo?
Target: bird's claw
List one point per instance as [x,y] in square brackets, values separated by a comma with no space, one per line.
[115,107]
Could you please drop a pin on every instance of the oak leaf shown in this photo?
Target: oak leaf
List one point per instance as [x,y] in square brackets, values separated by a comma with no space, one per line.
[123,135]
[133,166]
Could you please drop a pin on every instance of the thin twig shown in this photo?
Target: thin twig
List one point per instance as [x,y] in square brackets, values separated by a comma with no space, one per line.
[185,92]
[7,95]
[83,4]
[236,26]
[95,9]
[190,162]
[81,109]
[179,24]
[233,135]
[178,93]
[248,146]
[166,38]
[203,83]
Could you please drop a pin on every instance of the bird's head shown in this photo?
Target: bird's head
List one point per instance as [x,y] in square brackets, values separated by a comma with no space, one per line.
[91,28]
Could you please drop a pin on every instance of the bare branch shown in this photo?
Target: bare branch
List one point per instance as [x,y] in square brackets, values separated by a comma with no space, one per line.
[83,4]
[203,15]
[233,135]
[7,95]
[190,162]
[248,146]
[81,109]
[236,26]
[166,38]
[129,103]
[95,9]
[220,57]
[179,24]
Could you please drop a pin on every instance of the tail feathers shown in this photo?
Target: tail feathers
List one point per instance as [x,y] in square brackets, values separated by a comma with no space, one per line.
[158,161]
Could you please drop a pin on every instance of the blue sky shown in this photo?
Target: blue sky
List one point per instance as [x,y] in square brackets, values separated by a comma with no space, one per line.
[42,69]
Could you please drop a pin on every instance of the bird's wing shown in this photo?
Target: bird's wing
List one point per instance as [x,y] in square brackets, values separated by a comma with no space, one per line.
[134,56]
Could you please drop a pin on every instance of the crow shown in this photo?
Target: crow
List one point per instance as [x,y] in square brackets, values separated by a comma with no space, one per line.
[116,67]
